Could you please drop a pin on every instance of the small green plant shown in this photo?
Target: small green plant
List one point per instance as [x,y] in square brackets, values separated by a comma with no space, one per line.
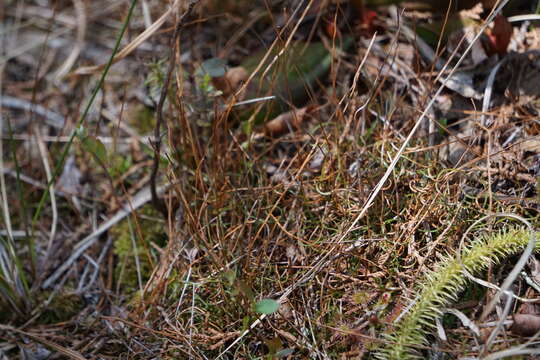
[443,285]
[266,306]
[156,78]
[92,145]
[119,164]
[14,291]
[211,68]
[276,349]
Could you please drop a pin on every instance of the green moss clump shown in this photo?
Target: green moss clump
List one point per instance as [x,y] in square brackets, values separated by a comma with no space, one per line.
[119,164]
[63,307]
[444,284]
[125,234]
[142,119]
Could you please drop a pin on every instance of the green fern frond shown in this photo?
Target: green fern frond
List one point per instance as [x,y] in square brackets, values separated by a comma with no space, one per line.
[442,286]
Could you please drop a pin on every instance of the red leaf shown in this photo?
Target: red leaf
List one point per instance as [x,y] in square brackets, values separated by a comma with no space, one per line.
[331,29]
[365,16]
[499,36]
[525,324]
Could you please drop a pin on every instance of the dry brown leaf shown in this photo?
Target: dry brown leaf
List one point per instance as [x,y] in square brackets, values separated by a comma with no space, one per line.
[289,121]
[525,324]
[499,36]
[232,80]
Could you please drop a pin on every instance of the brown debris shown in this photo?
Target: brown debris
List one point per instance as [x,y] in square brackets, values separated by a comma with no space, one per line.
[289,121]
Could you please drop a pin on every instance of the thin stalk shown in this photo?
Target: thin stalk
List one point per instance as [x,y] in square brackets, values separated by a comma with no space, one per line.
[63,156]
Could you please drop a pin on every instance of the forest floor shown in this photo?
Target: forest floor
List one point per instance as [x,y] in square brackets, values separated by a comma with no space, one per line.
[233,179]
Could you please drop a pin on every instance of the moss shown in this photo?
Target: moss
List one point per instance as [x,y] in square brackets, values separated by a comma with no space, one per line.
[63,307]
[142,118]
[443,285]
[119,164]
[126,267]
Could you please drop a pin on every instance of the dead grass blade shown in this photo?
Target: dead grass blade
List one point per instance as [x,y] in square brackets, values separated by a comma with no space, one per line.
[72,354]
[129,48]
[142,197]
[79,43]
[324,260]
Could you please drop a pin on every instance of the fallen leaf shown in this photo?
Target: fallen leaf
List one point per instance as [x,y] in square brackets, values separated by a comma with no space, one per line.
[214,67]
[525,324]
[295,69]
[499,36]
[289,121]
[331,29]
[366,16]
[534,268]
[318,158]
[231,81]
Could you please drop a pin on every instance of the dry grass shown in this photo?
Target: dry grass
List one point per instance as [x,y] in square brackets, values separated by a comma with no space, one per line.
[337,220]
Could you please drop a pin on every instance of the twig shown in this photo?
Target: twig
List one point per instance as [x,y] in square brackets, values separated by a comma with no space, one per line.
[139,200]
[156,202]
[60,349]
[51,118]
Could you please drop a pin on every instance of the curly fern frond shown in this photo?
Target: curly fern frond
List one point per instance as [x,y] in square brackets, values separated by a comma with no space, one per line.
[441,286]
